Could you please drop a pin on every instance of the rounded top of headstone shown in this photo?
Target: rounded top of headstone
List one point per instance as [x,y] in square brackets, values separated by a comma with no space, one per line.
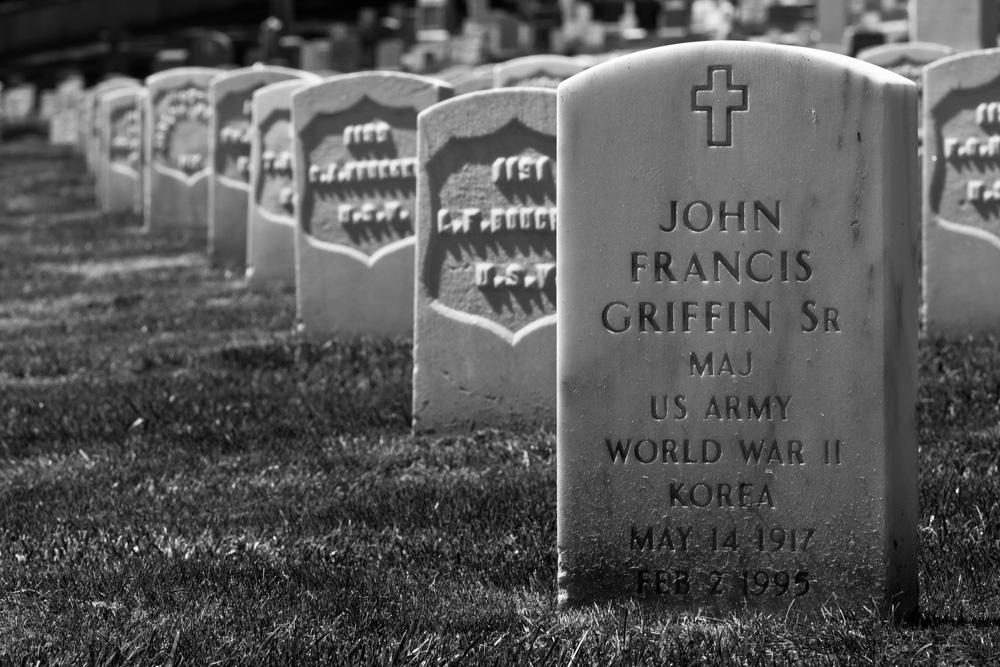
[280,88]
[116,82]
[473,81]
[278,95]
[515,70]
[201,75]
[969,69]
[957,60]
[392,89]
[257,72]
[761,59]
[118,94]
[491,110]
[888,55]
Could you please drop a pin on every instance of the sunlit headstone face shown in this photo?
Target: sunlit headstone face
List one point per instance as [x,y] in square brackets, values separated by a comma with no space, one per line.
[737,325]
[356,171]
[486,293]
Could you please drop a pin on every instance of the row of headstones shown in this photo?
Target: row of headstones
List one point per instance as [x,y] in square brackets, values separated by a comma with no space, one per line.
[218,157]
[736,242]
[115,108]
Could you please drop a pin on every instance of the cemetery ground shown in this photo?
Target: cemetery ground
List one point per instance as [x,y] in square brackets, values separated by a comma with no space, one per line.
[182,481]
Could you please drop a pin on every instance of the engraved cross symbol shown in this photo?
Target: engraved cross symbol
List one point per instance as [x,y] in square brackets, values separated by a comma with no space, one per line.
[719,98]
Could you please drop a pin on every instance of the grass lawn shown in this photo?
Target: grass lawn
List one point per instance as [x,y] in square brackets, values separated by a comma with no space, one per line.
[182,481]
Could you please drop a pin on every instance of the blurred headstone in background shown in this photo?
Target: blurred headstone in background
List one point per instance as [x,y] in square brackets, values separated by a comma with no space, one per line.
[211,48]
[964,25]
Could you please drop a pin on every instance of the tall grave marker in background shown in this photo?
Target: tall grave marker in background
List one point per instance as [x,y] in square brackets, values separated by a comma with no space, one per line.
[737,331]
[176,147]
[961,194]
[231,132]
[271,232]
[356,161]
[121,124]
[485,338]
[964,25]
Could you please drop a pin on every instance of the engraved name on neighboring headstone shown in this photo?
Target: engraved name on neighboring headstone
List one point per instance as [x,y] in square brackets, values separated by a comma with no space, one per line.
[121,114]
[484,344]
[231,132]
[356,167]
[542,71]
[961,193]
[178,114]
[737,331]
[271,233]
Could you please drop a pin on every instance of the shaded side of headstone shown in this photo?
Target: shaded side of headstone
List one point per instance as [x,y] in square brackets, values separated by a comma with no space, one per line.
[485,336]
[545,71]
[231,132]
[271,233]
[961,194]
[356,157]
[737,331]
[964,25]
[121,114]
[177,150]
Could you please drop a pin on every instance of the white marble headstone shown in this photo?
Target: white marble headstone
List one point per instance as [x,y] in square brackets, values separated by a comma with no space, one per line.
[736,270]
[271,232]
[177,118]
[94,128]
[231,132]
[961,194]
[121,146]
[485,337]
[356,168]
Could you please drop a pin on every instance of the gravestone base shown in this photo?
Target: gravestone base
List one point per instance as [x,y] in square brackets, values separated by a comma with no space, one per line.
[122,194]
[493,382]
[346,296]
[955,301]
[227,233]
[177,206]
[270,250]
